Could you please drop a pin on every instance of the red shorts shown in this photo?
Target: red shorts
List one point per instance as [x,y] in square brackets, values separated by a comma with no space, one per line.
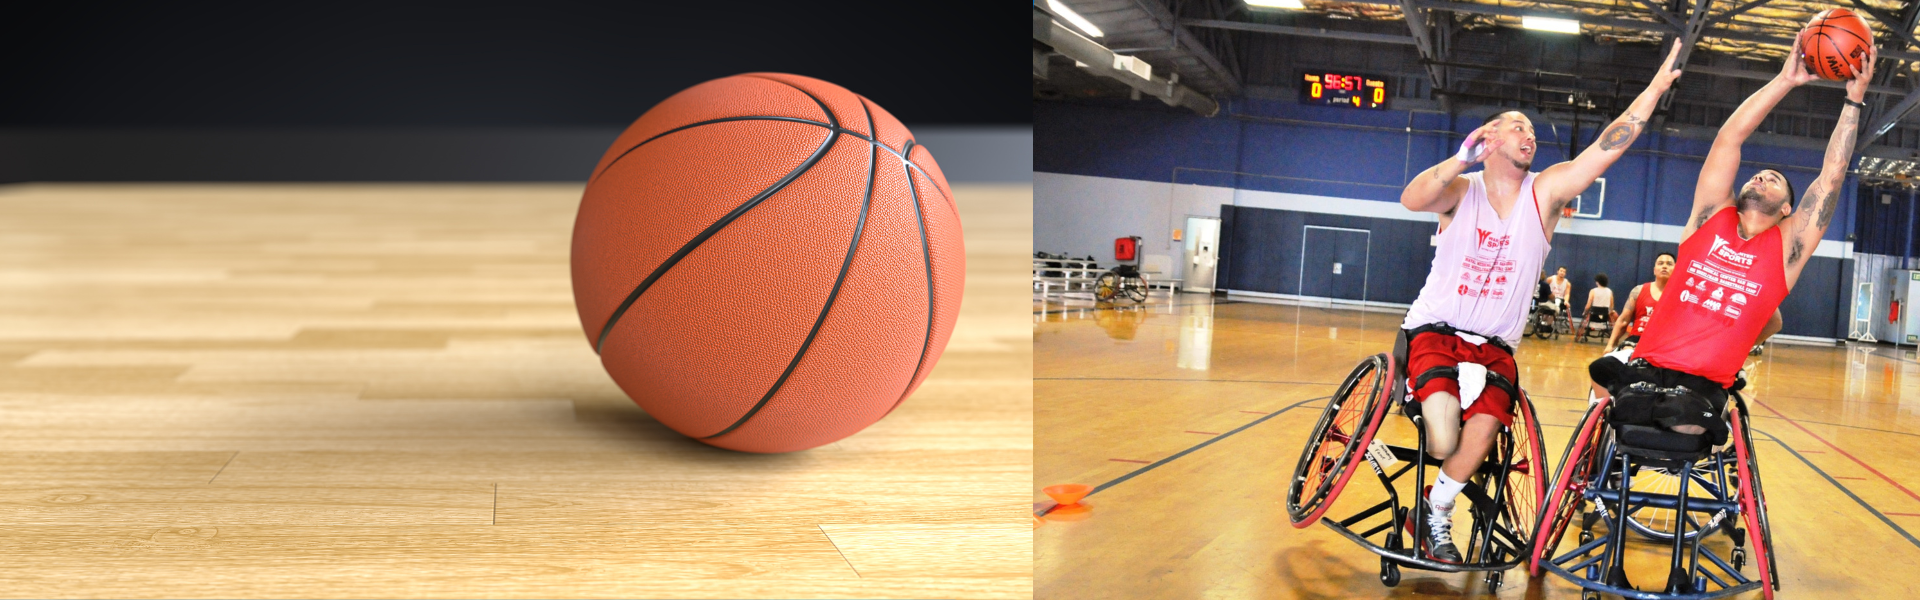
[1433,349]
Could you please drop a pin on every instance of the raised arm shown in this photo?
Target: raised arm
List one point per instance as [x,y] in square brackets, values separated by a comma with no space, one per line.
[1809,222]
[1714,189]
[1560,183]
[1439,188]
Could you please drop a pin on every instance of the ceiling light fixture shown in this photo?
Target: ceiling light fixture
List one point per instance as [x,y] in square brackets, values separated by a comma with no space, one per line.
[1073,17]
[1293,4]
[1551,24]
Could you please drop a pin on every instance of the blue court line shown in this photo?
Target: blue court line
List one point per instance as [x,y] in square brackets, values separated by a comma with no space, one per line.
[1836,483]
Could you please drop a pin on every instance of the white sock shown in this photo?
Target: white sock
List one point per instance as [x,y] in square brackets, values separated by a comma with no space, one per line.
[1445,489]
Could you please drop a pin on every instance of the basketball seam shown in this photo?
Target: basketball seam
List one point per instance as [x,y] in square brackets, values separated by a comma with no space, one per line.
[926,250]
[707,233]
[853,249]
[830,127]
[1836,50]
[1820,29]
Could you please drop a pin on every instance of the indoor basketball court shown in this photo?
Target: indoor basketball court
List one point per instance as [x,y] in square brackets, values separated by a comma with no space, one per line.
[1247,167]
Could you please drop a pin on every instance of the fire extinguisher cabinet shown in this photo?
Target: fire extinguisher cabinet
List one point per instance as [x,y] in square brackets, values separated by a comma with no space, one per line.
[1126,248]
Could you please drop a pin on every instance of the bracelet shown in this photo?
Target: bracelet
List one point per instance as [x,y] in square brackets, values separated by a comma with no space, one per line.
[1850,102]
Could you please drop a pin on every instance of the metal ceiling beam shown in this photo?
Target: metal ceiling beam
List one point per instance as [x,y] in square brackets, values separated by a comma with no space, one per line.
[1888,18]
[1183,38]
[1760,76]
[1301,31]
[1741,36]
[1885,122]
[1423,41]
[1513,11]
[1736,11]
[1660,11]
[1099,61]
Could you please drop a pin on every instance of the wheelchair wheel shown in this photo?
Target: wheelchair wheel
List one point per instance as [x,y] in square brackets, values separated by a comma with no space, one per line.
[1527,479]
[1543,326]
[1337,446]
[1563,501]
[1136,289]
[1753,501]
[1107,287]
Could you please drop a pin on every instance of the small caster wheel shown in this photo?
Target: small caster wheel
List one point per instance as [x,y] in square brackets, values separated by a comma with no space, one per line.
[1585,536]
[1389,574]
[1739,558]
[1493,581]
[1589,595]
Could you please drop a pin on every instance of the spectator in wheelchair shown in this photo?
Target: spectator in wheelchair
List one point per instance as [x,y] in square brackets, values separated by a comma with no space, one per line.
[1742,251]
[1562,289]
[1639,307]
[1599,300]
[1495,225]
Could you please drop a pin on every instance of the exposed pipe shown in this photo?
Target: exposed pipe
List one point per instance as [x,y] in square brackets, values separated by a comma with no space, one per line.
[1099,61]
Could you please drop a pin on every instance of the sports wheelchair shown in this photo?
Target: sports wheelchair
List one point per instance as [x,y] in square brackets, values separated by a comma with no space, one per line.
[1597,324]
[1547,321]
[1672,488]
[1118,281]
[1502,497]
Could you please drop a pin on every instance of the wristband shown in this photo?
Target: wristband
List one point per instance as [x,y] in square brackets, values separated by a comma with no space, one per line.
[1850,102]
[1470,151]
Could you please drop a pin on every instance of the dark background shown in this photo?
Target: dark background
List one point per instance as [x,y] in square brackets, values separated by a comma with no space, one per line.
[461,91]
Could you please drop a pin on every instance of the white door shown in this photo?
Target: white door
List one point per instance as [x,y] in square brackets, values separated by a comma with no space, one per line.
[1203,253]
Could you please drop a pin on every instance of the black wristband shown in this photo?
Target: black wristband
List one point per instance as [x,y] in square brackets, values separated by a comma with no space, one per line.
[1850,102]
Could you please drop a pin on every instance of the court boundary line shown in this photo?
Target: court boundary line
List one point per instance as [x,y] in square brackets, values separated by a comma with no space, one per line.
[1156,464]
[1843,452]
[1843,489]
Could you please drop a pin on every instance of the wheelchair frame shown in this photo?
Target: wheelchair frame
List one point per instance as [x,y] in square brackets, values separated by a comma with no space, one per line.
[1585,473]
[1500,537]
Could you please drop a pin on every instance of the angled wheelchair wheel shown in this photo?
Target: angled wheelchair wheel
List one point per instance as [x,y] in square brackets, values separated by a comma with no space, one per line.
[1339,440]
[1527,478]
[1136,290]
[1106,287]
[1753,500]
[1562,501]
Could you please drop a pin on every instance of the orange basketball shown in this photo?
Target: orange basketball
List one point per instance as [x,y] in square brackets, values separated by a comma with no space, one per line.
[767,262]
[1834,43]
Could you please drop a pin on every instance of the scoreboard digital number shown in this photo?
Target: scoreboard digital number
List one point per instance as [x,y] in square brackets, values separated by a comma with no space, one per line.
[1343,89]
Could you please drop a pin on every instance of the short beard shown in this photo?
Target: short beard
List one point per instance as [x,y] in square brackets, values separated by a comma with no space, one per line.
[1524,166]
[1751,200]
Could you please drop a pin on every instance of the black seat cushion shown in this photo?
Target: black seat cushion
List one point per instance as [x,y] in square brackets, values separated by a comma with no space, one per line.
[1663,443]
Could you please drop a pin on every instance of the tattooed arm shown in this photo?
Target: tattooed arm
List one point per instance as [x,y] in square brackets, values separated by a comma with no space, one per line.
[1560,183]
[1714,189]
[1803,229]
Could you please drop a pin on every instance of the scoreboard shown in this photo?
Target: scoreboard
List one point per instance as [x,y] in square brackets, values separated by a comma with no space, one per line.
[1328,88]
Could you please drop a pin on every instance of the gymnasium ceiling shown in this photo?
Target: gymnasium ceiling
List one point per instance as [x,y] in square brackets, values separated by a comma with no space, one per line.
[1446,52]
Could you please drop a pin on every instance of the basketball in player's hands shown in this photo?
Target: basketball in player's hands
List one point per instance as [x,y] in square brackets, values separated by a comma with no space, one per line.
[767,262]
[1835,43]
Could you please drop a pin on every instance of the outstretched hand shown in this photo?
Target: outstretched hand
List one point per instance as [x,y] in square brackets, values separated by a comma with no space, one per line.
[1479,145]
[1669,70]
[1794,73]
[1857,88]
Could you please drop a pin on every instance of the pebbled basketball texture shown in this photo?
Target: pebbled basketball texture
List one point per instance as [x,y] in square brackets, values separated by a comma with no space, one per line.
[1835,43]
[767,262]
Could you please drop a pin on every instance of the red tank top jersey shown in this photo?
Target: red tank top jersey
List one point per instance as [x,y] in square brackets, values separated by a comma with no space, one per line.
[1642,309]
[1723,291]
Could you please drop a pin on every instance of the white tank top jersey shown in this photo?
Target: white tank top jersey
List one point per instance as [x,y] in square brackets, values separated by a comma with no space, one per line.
[1601,297]
[1484,268]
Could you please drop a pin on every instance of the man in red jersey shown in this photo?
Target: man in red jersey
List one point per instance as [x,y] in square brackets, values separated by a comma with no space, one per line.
[1739,255]
[1633,320]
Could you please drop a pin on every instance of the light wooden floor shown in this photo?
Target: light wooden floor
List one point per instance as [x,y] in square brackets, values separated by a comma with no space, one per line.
[1837,431]
[383,390]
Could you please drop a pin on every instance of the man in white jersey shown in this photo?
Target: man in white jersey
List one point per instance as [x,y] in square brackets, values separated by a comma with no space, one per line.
[1495,226]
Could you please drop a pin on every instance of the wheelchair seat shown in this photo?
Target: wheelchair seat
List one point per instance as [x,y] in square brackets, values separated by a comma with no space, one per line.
[1661,444]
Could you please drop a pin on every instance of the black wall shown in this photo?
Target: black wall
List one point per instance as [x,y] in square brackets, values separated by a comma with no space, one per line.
[482,63]
[1261,249]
